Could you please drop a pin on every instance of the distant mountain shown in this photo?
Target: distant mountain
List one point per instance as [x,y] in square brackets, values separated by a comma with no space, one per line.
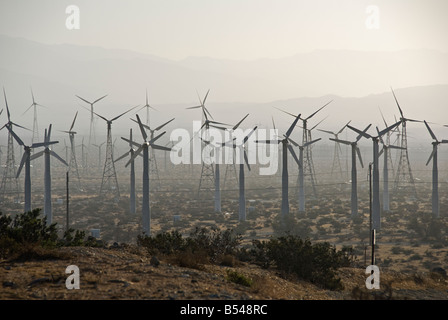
[357,82]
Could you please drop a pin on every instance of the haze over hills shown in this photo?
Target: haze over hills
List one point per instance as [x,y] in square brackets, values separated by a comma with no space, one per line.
[357,82]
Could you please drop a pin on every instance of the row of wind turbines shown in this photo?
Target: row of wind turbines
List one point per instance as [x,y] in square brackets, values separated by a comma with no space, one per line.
[304,160]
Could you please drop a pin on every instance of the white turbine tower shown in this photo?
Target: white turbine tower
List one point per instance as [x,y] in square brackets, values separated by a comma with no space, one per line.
[35,126]
[92,124]
[435,171]
[376,213]
[285,147]
[355,152]
[385,150]
[146,213]
[301,172]
[26,159]
[242,159]
[47,173]
[147,106]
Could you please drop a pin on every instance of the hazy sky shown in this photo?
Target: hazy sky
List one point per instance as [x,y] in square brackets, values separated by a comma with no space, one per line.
[232,29]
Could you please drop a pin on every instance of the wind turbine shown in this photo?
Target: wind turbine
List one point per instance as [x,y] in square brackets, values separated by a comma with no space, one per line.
[131,151]
[152,156]
[92,129]
[301,174]
[232,161]
[26,159]
[243,159]
[35,126]
[435,171]
[109,166]
[146,213]
[202,105]
[47,173]
[285,147]
[376,214]
[147,106]
[73,164]
[9,180]
[355,152]
[337,148]
[306,137]
[385,149]
[404,172]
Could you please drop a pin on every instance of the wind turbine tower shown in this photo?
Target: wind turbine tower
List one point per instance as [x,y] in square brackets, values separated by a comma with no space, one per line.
[376,213]
[435,171]
[10,184]
[355,152]
[404,178]
[285,179]
[92,122]
[146,209]
[47,172]
[109,181]
[73,164]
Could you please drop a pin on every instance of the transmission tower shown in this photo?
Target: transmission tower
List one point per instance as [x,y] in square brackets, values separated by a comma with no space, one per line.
[10,184]
[404,180]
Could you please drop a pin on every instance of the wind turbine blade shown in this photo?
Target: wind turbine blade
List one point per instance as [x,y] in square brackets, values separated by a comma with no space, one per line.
[311,142]
[157,137]
[123,113]
[161,126]
[396,147]
[291,150]
[238,124]
[131,142]
[285,112]
[365,130]
[398,105]
[28,109]
[382,116]
[37,155]
[318,123]
[361,133]
[54,154]
[430,131]
[312,115]
[22,162]
[359,156]
[329,132]
[195,107]
[205,98]
[19,141]
[73,123]
[293,142]
[250,133]
[100,116]
[431,156]
[288,133]
[84,100]
[155,146]
[381,152]
[145,136]
[43,144]
[444,141]
[99,99]
[7,108]
[341,141]
[144,125]
[343,127]
[122,156]
[18,125]
[389,128]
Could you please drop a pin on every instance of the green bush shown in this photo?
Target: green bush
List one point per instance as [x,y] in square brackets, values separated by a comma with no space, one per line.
[29,236]
[316,263]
